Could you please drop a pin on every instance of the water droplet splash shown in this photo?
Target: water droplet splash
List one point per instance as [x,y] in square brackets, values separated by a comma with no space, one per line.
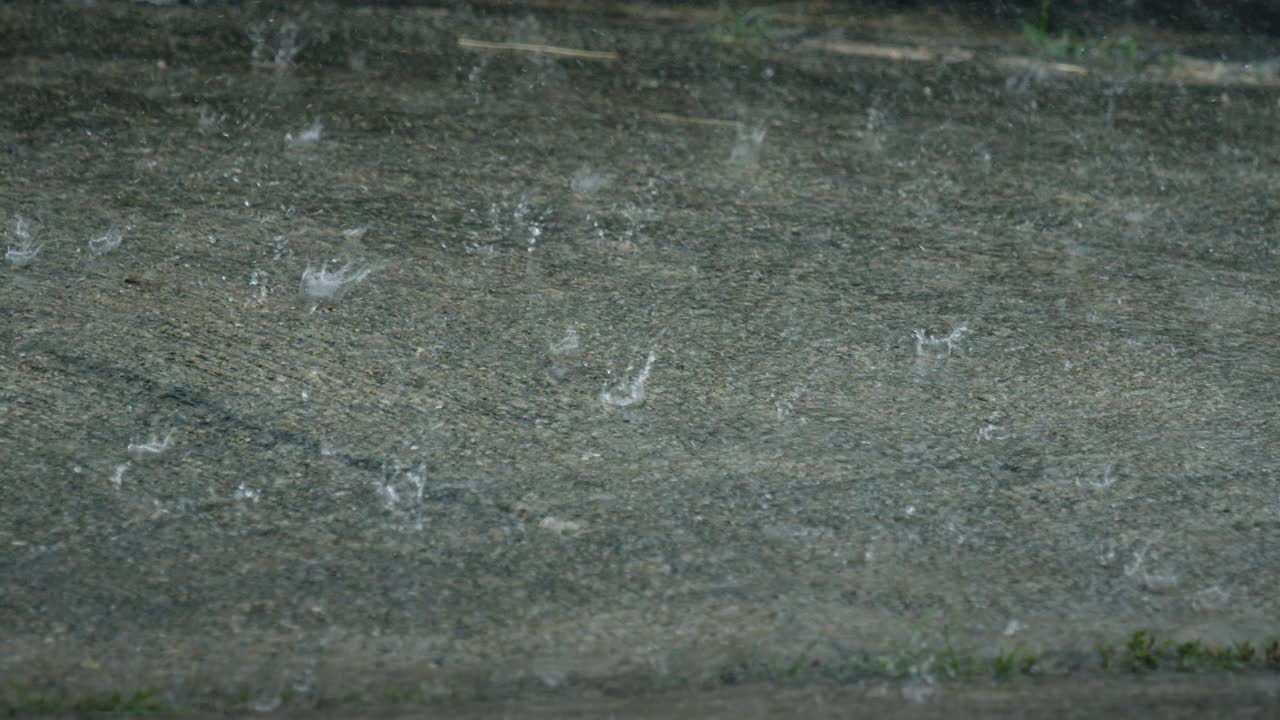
[1143,557]
[107,242]
[948,341]
[244,492]
[310,135]
[117,477]
[321,284]
[746,149]
[784,406]
[1105,479]
[275,48]
[401,490]
[562,355]
[25,250]
[567,345]
[154,446]
[586,181]
[628,392]
[1211,598]
[210,121]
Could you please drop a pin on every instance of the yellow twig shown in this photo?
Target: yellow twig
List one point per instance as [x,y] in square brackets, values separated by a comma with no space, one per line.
[1041,65]
[602,55]
[892,52]
[669,117]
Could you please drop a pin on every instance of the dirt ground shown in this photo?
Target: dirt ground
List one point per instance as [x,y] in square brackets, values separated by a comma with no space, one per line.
[623,360]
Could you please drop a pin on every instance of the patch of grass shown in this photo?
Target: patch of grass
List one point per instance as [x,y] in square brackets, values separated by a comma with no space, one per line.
[1065,45]
[1059,46]
[954,663]
[1016,661]
[1106,655]
[793,668]
[140,702]
[404,695]
[1046,12]
[743,27]
[1143,652]
[943,659]
[1146,652]
[1120,48]
[925,657]
[23,700]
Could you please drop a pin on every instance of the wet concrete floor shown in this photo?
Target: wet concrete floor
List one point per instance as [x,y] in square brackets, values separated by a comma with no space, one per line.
[426,356]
